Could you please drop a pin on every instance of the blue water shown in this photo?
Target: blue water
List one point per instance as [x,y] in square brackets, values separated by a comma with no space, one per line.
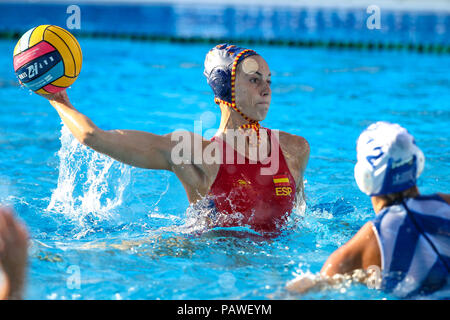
[125,233]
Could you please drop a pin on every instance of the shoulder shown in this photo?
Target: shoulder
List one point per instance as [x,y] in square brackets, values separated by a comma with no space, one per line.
[186,139]
[365,246]
[361,251]
[366,233]
[176,135]
[296,148]
[444,196]
[292,138]
[360,242]
[295,144]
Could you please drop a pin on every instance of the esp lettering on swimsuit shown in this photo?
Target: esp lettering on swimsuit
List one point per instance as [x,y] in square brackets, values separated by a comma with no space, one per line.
[283,191]
[282,187]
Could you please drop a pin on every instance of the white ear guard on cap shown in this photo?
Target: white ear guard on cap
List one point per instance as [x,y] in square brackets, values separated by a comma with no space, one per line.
[388,159]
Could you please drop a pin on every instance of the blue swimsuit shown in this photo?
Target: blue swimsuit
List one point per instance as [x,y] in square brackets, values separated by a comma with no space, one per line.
[414,239]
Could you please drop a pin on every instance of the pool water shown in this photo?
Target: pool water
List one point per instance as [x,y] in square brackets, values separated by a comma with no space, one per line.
[103,230]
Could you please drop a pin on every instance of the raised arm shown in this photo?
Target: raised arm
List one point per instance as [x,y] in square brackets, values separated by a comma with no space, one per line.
[136,148]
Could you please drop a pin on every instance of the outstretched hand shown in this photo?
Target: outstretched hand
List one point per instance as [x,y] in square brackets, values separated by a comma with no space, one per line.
[60,96]
[13,255]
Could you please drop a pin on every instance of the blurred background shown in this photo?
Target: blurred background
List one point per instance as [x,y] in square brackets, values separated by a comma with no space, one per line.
[421,25]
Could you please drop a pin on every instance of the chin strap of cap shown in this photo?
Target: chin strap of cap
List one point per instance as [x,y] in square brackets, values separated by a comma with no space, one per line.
[252,124]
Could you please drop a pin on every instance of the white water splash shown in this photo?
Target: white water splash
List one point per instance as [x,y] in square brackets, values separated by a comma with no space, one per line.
[297,214]
[89,183]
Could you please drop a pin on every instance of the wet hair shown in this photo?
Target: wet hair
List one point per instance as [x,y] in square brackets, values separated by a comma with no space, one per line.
[398,197]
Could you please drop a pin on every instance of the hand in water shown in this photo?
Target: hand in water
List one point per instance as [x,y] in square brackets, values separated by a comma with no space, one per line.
[301,284]
[13,255]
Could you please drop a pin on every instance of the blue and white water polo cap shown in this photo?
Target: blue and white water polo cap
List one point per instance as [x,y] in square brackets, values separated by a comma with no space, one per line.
[388,159]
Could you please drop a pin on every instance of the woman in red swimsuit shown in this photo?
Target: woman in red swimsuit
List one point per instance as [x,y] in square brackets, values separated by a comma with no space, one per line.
[258,173]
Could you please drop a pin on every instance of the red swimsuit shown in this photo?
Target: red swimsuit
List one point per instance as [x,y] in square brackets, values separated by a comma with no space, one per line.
[246,197]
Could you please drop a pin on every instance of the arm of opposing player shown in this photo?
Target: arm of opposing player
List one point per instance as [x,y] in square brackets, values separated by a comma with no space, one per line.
[360,253]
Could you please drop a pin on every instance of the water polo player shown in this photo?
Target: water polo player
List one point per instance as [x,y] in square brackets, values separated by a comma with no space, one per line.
[408,240]
[241,187]
[14,242]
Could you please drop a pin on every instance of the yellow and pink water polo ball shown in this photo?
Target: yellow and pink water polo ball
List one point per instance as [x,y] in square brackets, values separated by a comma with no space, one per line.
[47,59]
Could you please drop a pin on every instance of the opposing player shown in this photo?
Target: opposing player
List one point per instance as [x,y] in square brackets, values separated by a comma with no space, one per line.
[409,238]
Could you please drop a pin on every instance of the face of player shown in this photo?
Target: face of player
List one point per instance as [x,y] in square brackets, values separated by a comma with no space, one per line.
[252,88]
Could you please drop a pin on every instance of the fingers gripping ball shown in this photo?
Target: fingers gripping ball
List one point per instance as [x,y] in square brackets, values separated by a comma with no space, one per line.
[47,59]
